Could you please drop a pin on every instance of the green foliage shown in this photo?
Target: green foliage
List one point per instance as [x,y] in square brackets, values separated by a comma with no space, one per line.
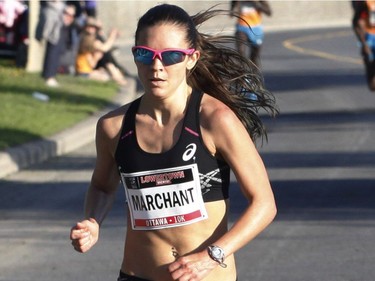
[24,118]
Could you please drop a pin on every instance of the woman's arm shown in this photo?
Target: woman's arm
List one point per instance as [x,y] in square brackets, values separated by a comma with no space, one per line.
[102,190]
[225,136]
[107,44]
[233,143]
[105,178]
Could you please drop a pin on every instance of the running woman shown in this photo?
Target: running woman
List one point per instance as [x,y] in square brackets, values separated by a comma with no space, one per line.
[173,148]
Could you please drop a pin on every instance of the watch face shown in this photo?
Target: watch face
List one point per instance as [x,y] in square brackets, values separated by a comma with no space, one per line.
[217,252]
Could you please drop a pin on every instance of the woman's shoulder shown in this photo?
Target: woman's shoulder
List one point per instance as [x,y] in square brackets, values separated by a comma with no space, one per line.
[214,111]
[110,124]
[218,123]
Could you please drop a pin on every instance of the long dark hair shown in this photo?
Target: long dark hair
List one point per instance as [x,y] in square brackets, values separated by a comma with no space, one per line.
[221,71]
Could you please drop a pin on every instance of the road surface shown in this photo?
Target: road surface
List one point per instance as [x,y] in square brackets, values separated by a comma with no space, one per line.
[320,157]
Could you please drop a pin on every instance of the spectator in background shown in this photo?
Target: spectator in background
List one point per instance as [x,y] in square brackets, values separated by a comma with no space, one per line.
[54,27]
[14,29]
[108,57]
[91,50]
[68,56]
[78,6]
[364,29]
[249,28]
[87,58]
[81,16]
[9,11]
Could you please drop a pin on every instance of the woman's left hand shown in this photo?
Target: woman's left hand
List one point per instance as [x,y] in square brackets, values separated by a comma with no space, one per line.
[192,267]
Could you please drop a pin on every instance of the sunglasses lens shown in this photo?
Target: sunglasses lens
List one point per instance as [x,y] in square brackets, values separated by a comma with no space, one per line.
[172,57]
[142,55]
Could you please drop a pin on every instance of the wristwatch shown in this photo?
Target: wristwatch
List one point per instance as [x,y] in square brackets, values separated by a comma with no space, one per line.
[217,254]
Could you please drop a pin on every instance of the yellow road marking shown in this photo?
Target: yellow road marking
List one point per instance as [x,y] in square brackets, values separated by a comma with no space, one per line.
[291,44]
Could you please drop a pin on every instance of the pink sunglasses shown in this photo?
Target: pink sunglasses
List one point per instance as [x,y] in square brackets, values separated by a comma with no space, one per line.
[170,56]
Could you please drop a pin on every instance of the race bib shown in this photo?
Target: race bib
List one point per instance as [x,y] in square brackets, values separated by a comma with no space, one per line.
[164,198]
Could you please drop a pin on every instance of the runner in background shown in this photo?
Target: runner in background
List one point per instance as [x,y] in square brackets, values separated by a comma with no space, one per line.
[364,29]
[249,28]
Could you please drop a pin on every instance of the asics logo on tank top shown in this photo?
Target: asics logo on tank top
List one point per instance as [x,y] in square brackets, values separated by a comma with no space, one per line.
[189,152]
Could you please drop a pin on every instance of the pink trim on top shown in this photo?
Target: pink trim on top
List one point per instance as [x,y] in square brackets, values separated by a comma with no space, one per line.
[127,134]
[192,132]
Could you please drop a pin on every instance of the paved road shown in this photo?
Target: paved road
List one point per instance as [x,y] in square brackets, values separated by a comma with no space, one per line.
[320,158]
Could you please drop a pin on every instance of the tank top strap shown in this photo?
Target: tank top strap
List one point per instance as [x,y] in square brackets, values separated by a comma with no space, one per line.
[192,114]
[129,119]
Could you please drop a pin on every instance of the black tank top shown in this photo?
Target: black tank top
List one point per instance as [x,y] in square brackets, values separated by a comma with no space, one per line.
[189,149]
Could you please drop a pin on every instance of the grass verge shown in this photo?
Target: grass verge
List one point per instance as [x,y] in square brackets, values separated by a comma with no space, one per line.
[24,118]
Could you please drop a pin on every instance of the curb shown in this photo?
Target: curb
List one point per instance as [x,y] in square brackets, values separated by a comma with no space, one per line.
[16,158]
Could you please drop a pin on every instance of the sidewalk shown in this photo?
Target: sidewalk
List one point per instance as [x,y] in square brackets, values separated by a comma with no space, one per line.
[17,158]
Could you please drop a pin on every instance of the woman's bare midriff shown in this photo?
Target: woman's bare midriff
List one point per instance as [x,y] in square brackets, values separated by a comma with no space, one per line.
[149,253]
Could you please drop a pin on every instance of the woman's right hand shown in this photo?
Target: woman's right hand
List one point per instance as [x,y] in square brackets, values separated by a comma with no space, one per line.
[84,235]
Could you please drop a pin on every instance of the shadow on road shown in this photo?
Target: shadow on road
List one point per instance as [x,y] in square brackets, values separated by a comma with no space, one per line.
[279,82]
